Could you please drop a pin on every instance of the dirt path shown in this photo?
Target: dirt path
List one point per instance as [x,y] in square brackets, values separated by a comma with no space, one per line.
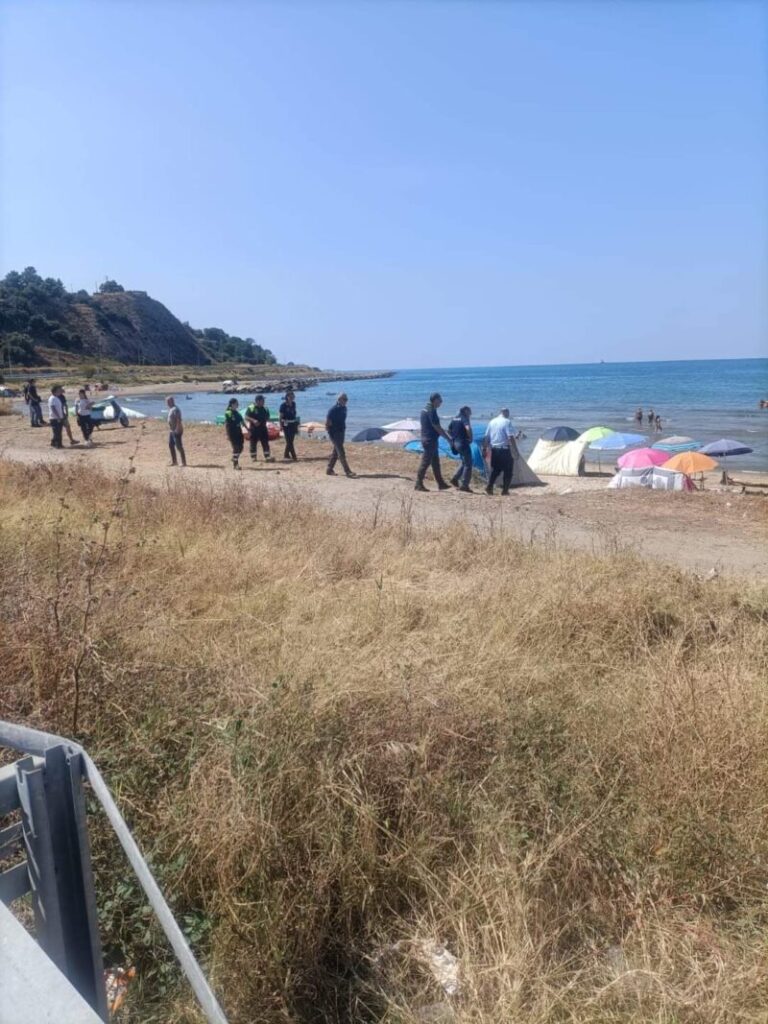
[698,532]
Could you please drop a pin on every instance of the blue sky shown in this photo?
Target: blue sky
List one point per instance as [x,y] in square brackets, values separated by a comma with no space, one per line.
[401,183]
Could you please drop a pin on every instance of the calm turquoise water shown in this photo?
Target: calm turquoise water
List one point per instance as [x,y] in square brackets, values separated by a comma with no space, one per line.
[705,399]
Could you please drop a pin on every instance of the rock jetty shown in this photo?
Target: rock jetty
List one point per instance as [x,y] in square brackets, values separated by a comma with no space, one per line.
[268,386]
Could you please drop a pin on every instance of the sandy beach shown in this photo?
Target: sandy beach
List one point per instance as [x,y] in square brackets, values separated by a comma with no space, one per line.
[718,529]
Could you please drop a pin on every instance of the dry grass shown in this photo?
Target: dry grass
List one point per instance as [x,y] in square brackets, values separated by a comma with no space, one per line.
[338,743]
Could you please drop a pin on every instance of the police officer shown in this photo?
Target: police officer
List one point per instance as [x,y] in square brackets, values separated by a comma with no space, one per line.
[431,431]
[257,418]
[233,424]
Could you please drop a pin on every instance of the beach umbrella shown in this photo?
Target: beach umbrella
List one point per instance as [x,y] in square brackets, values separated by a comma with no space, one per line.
[723,449]
[616,441]
[690,462]
[677,444]
[407,424]
[560,434]
[594,433]
[642,458]
[370,434]
[398,437]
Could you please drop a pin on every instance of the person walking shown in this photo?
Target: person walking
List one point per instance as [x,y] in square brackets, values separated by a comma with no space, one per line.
[67,425]
[336,427]
[289,424]
[83,407]
[431,431]
[56,416]
[33,400]
[233,424]
[175,431]
[499,437]
[460,430]
[257,418]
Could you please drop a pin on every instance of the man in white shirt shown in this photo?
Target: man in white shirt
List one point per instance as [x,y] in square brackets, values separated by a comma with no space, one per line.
[498,437]
[56,416]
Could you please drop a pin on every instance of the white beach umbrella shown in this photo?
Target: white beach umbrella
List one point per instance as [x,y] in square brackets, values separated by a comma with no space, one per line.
[407,424]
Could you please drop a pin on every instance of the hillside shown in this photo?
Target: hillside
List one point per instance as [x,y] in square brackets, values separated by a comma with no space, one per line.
[41,322]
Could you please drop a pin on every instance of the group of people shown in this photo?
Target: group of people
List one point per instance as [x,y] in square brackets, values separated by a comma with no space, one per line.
[58,413]
[498,440]
[654,420]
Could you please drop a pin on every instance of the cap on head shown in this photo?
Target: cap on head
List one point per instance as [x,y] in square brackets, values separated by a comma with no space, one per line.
[259,398]
[342,396]
[435,397]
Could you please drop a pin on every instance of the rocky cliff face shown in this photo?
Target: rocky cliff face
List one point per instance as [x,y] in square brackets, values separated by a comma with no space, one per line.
[130,327]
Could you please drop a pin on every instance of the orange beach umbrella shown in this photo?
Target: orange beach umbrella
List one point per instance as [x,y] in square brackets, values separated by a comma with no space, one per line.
[690,462]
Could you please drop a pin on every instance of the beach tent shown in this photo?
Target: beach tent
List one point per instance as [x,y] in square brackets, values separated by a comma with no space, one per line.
[446,452]
[522,474]
[653,477]
[558,458]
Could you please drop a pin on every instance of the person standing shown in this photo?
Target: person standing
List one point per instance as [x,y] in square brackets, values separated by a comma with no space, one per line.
[56,416]
[336,427]
[289,424]
[639,415]
[234,424]
[175,431]
[651,417]
[460,430]
[83,407]
[257,418]
[657,424]
[431,431]
[67,426]
[499,437]
[32,398]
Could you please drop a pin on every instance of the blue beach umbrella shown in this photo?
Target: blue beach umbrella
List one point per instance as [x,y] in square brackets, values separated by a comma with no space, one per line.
[617,441]
[560,434]
[723,447]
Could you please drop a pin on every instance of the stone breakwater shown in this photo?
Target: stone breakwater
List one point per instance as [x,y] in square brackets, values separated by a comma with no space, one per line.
[281,384]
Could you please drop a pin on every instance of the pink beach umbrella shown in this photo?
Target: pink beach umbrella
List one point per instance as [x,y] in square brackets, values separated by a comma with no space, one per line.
[642,458]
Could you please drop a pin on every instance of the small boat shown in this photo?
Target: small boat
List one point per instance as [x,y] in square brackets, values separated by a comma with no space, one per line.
[188,397]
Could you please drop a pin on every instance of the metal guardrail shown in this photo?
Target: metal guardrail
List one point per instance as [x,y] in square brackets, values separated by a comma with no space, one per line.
[47,788]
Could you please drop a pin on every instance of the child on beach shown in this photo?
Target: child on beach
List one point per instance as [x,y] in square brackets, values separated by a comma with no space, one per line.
[83,407]
[233,424]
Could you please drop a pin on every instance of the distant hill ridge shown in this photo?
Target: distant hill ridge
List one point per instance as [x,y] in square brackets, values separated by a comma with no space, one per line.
[41,322]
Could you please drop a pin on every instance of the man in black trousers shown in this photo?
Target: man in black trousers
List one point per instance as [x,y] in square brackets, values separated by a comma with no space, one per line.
[498,437]
[336,425]
[431,431]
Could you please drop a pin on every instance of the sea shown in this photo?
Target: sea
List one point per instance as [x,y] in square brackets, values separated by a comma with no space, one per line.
[703,399]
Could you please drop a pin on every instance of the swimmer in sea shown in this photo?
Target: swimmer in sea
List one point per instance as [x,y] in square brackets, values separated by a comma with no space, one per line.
[639,415]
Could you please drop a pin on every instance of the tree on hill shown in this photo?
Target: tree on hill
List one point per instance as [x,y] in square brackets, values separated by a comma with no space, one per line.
[109,285]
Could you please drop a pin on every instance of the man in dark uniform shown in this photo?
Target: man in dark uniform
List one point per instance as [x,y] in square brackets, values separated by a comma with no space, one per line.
[289,424]
[336,425]
[233,424]
[257,418]
[430,432]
